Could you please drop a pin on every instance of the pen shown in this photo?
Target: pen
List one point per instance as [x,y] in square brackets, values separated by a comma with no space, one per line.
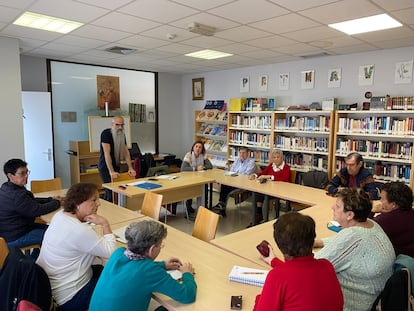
[252,272]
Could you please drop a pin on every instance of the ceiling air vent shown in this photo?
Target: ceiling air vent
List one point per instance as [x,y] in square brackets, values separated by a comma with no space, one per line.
[120,50]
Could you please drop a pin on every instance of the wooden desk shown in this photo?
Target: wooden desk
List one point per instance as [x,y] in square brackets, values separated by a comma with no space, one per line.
[212,266]
[188,185]
[113,213]
[243,243]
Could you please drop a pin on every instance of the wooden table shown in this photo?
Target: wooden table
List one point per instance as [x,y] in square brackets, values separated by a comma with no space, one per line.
[187,185]
[212,266]
[113,213]
[243,243]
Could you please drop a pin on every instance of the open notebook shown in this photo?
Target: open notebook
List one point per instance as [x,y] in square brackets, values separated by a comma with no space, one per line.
[120,233]
[248,275]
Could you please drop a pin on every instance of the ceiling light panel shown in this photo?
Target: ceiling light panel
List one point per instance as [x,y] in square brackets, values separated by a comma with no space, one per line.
[366,24]
[44,22]
[208,54]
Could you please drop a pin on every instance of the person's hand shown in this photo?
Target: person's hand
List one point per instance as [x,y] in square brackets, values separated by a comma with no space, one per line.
[114,175]
[132,173]
[96,219]
[173,263]
[200,168]
[59,198]
[187,267]
[376,206]
[252,176]
[269,258]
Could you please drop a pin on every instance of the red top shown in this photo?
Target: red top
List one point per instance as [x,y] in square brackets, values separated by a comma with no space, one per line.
[302,283]
[280,175]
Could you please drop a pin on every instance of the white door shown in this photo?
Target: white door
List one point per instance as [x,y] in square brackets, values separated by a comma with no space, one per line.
[38,140]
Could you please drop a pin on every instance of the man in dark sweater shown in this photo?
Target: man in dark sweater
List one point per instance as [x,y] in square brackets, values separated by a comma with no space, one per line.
[19,208]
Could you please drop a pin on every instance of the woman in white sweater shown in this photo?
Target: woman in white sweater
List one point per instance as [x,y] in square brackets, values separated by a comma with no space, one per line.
[361,252]
[70,246]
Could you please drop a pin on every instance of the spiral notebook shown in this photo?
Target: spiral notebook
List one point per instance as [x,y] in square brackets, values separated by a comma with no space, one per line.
[246,275]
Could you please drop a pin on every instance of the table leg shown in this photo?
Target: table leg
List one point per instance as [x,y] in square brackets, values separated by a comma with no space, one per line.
[254,208]
[122,200]
[265,208]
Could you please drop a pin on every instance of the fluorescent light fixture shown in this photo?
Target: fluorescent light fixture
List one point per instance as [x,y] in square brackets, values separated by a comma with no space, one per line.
[44,22]
[366,24]
[208,54]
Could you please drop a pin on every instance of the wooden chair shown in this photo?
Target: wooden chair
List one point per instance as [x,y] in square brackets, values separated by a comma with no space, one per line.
[37,186]
[122,176]
[205,226]
[4,251]
[151,205]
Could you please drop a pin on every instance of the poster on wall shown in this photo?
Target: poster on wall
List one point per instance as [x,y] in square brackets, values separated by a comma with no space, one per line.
[334,77]
[284,81]
[263,79]
[403,72]
[366,75]
[108,92]
[308,79]
[244,84]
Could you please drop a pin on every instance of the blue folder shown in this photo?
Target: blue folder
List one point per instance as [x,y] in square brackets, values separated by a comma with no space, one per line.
[148,185]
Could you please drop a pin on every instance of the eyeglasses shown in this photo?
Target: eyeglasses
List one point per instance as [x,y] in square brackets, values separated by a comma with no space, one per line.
[26,173]
[119,124]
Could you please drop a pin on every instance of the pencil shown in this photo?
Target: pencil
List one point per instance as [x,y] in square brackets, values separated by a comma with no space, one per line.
[252,272]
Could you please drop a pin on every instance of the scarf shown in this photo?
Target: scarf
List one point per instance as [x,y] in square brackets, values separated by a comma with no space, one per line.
[132,256]
[119,146]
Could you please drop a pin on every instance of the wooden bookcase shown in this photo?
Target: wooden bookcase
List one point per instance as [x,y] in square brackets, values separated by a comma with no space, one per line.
[83,163]
[213,133]
[384,138]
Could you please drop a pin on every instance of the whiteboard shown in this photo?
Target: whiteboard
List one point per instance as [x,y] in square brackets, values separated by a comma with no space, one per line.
[98,124]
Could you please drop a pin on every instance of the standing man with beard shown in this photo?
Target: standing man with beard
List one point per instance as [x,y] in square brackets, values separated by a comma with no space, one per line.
[114,150]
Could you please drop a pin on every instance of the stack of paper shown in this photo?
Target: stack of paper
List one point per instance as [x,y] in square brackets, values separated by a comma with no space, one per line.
[248,275]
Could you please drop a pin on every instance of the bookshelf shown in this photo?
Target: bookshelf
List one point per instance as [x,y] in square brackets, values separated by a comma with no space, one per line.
[210,126]
[83,163]
[252,130]
[305,138]
[384,138]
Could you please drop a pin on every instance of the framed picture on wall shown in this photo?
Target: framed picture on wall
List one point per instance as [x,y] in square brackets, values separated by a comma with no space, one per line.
[244,84]
[334,77]
[366,75]
[263,79]
[308,79]
[284,81]
[198,88]
[403,72]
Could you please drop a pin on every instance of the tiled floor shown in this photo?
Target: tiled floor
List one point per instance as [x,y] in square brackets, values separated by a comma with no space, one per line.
[238,217]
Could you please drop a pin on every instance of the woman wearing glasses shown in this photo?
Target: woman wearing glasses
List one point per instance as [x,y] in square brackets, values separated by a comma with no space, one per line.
[19,208]
[361,252]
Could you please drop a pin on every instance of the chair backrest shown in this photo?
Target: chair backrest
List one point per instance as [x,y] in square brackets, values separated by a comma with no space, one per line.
[151,205]
[205,226]
[4,251]
[37,186]
[292,176]
[315,179]
[158,170]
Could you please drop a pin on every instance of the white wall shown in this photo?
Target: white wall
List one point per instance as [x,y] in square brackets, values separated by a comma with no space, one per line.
[226,84]
[11,119]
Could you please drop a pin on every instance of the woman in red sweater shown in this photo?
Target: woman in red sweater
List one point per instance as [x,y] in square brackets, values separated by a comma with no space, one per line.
[277,170]
[301,282]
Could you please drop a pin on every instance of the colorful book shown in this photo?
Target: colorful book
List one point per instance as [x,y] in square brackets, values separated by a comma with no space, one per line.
[246,275]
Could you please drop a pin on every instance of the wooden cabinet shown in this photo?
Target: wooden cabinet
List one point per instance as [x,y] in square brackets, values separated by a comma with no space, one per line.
[383,138]
[211,128]
[305,137]
[83,163]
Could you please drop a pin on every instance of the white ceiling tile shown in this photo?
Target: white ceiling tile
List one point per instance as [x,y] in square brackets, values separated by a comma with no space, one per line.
[388,34]
[141,42]
[242,33]
[205,42]
[18,4]
[405,16]
[312,34]
[237,48]
[394,4]
[271,42]
[100,33]
[162,31]
[263,53]
[107,4]
[8,15]
[206,19]
[353,49]
[158,10]
[80,41]
[399,42]
[203,4]
[248,11]
[178,48]
[297,5]
[24,32]
[297,49]
[67,9]
[125,22]
[341,11]
[285,23]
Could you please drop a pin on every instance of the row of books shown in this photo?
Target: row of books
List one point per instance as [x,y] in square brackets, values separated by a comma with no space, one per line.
[138,112]
[385,171]
[306,162]
[212,114]
[217,161]
[378,149]
[319,123]
[215,145]
[212,129]
[254,122]
[302,143]
[260,156]
[377,125]
[250,139]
